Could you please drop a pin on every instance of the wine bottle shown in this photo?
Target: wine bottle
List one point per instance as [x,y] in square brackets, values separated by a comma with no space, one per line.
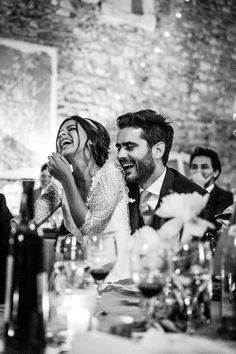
[228,282]
[26,287]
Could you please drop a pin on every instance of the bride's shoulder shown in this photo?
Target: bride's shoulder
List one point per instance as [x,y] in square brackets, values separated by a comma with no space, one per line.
[113,167]
[110,175]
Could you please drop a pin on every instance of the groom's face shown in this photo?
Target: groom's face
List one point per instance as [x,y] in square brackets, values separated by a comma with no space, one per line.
[134,155]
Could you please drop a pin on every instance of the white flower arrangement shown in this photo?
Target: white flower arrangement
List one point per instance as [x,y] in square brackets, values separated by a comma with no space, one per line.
[183,209]
[148,249]
[144,239]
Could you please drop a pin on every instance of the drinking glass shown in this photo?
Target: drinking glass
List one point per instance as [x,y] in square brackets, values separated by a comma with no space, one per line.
[150,268]
[70,266]
[70,314]
[72,292]
[101,256]
[193,268]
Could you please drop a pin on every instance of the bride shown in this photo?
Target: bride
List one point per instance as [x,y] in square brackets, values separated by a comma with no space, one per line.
[90,189]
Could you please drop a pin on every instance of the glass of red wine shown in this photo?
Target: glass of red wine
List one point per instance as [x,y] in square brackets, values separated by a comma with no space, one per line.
[101,257]
[150,271]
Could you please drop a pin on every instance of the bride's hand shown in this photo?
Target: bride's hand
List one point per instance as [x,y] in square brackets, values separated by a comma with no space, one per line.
[59,167]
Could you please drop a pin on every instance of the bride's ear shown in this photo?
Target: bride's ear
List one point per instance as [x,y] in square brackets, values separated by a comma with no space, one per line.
[89,144]
[88,147]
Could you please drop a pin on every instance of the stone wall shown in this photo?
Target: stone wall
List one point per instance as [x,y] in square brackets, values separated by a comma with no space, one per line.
[185,68]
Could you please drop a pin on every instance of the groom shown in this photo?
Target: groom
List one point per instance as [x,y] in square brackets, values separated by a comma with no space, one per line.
[143,144]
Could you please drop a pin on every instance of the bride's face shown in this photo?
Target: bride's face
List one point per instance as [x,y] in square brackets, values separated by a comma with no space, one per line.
[71,139]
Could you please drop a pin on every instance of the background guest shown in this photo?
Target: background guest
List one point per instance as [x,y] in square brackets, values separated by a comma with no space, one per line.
[55,220]
[205,168]
[45,178]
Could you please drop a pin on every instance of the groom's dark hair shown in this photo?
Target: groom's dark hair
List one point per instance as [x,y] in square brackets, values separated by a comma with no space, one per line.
[155,128]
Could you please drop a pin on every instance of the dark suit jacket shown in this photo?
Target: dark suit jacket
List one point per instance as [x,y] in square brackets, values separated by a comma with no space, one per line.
[174,181]
[5,227]
[220,199]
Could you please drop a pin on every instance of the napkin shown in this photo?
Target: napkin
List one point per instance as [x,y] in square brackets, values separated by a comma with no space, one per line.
[128,289]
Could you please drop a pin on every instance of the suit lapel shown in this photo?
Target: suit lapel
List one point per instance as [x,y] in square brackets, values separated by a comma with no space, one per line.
[167,188]
[213,193]
[136,220]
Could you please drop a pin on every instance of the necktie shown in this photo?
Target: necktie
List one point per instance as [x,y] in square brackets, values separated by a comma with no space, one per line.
[144,208]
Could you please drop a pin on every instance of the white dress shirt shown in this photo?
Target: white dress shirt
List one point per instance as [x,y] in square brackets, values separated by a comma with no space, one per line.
[210,188]
[154,189]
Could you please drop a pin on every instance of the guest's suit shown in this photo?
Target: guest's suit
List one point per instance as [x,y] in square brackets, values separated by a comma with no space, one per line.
[5,227]
[173,182]
[221,199]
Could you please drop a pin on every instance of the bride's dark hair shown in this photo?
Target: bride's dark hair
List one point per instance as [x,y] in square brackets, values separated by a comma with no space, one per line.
[98,139]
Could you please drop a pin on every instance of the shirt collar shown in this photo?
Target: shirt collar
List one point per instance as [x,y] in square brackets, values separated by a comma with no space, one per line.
[209,188]
[155,189]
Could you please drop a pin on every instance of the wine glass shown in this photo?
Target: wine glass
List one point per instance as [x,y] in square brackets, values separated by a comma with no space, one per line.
[193,268]
[150,268]
[69,285]
[70,266]
[101,256]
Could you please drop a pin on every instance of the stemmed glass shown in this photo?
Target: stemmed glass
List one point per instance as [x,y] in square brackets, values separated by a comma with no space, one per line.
[101,255]
[69,285]
[193,268]
[70,264]
[150,268]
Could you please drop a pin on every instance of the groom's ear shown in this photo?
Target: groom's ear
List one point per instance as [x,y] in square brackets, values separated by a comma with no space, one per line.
[158,150]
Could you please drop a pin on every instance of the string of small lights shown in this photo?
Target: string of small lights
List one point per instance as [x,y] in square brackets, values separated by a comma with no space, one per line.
[157,50]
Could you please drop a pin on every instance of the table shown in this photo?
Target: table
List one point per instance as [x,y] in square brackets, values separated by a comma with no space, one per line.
[116,300]
[113,302]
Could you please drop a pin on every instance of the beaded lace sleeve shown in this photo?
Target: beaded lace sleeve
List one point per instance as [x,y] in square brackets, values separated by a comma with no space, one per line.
[108,188]
[48,203]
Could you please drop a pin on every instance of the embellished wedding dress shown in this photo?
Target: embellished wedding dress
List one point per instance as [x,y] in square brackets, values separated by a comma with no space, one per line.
[107,211]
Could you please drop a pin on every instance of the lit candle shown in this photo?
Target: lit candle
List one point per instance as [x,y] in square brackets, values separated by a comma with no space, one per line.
[78,318]
[80,305]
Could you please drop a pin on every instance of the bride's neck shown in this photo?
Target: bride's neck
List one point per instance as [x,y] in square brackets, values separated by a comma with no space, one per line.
[83,175]
[85,171]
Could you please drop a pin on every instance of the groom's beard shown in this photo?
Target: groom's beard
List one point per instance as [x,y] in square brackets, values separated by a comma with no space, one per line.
[141,170]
